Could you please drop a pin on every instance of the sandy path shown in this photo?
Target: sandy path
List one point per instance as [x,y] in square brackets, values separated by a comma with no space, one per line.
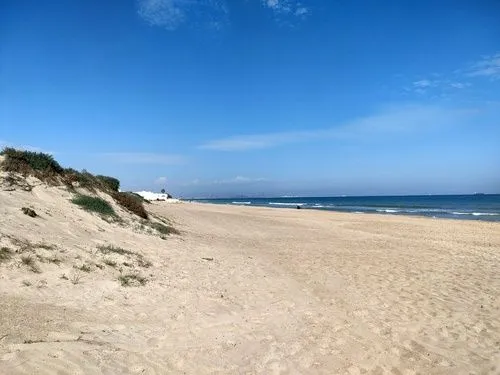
[282,292]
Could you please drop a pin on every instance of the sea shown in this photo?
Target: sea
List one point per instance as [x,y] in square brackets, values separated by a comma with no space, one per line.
[469,207]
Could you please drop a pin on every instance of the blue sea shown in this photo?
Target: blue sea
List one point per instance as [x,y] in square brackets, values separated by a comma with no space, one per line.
[470,207]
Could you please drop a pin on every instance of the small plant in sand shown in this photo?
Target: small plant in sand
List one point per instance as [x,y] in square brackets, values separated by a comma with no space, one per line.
[159,227]
[110,249]
[143,262]
[75,278]
[30,262]
[5,254]
[94,204]
[109,262]
[55,260]
[164,229]
[29,211]
[84,267]
[132,279]
[46,246]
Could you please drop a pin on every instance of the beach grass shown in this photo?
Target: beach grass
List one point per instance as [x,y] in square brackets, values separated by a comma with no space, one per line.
[94,204]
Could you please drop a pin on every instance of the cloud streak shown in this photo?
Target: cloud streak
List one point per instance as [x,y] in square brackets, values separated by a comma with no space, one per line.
[287,7]
[143,158]
[424,83]
[489,66]
[171,14]
[401,121]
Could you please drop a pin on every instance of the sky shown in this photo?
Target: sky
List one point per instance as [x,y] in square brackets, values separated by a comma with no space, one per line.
[229,98]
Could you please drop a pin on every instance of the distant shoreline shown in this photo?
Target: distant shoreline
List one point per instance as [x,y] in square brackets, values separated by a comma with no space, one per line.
[477,207]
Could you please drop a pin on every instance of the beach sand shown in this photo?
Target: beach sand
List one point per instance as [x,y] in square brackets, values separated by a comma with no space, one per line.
[249,290]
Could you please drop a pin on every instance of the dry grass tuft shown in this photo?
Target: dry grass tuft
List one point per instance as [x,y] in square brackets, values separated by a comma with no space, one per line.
[84,267]
[108,249]
[164,229]
[5,254]
[30,262]
[109,262]
[132,279]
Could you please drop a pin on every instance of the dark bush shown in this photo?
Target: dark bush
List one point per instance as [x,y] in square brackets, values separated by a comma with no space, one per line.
[28,211]
[131,203]
[94,204]
[110,182]
[27,162]
[87,180]
[140,197]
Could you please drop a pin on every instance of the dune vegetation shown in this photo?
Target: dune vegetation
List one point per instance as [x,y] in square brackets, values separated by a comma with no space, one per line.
[99,196]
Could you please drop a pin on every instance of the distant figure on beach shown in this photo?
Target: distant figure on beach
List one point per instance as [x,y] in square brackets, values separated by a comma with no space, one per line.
[298,207]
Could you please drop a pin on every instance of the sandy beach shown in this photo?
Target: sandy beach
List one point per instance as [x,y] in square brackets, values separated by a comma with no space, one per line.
[246,290]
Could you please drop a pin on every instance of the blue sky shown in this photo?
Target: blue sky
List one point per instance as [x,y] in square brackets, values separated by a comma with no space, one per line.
[258,97]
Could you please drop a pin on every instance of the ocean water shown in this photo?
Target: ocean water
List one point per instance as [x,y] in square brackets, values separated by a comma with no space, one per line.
[470,207]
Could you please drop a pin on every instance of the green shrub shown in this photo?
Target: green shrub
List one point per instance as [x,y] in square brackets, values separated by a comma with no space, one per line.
[84,179]
[110,182]
[94,204]
[27,162]
[132,203]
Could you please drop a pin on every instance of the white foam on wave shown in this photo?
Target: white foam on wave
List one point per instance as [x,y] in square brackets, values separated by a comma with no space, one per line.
[389,211]
[241,202]
[477,213]
[286,204]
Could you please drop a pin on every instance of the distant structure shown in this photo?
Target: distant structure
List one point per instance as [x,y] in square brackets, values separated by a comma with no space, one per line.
[149,195]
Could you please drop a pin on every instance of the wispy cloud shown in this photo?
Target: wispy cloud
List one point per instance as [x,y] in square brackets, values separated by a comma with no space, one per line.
[287,7]
[144,158]
[459,79]
[422,86]
[459,85]
[424,83]
[171,14]
[256,141]
[397,121]
[489,66]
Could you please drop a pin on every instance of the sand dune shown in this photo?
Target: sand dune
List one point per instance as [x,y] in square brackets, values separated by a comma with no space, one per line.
[247,290]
